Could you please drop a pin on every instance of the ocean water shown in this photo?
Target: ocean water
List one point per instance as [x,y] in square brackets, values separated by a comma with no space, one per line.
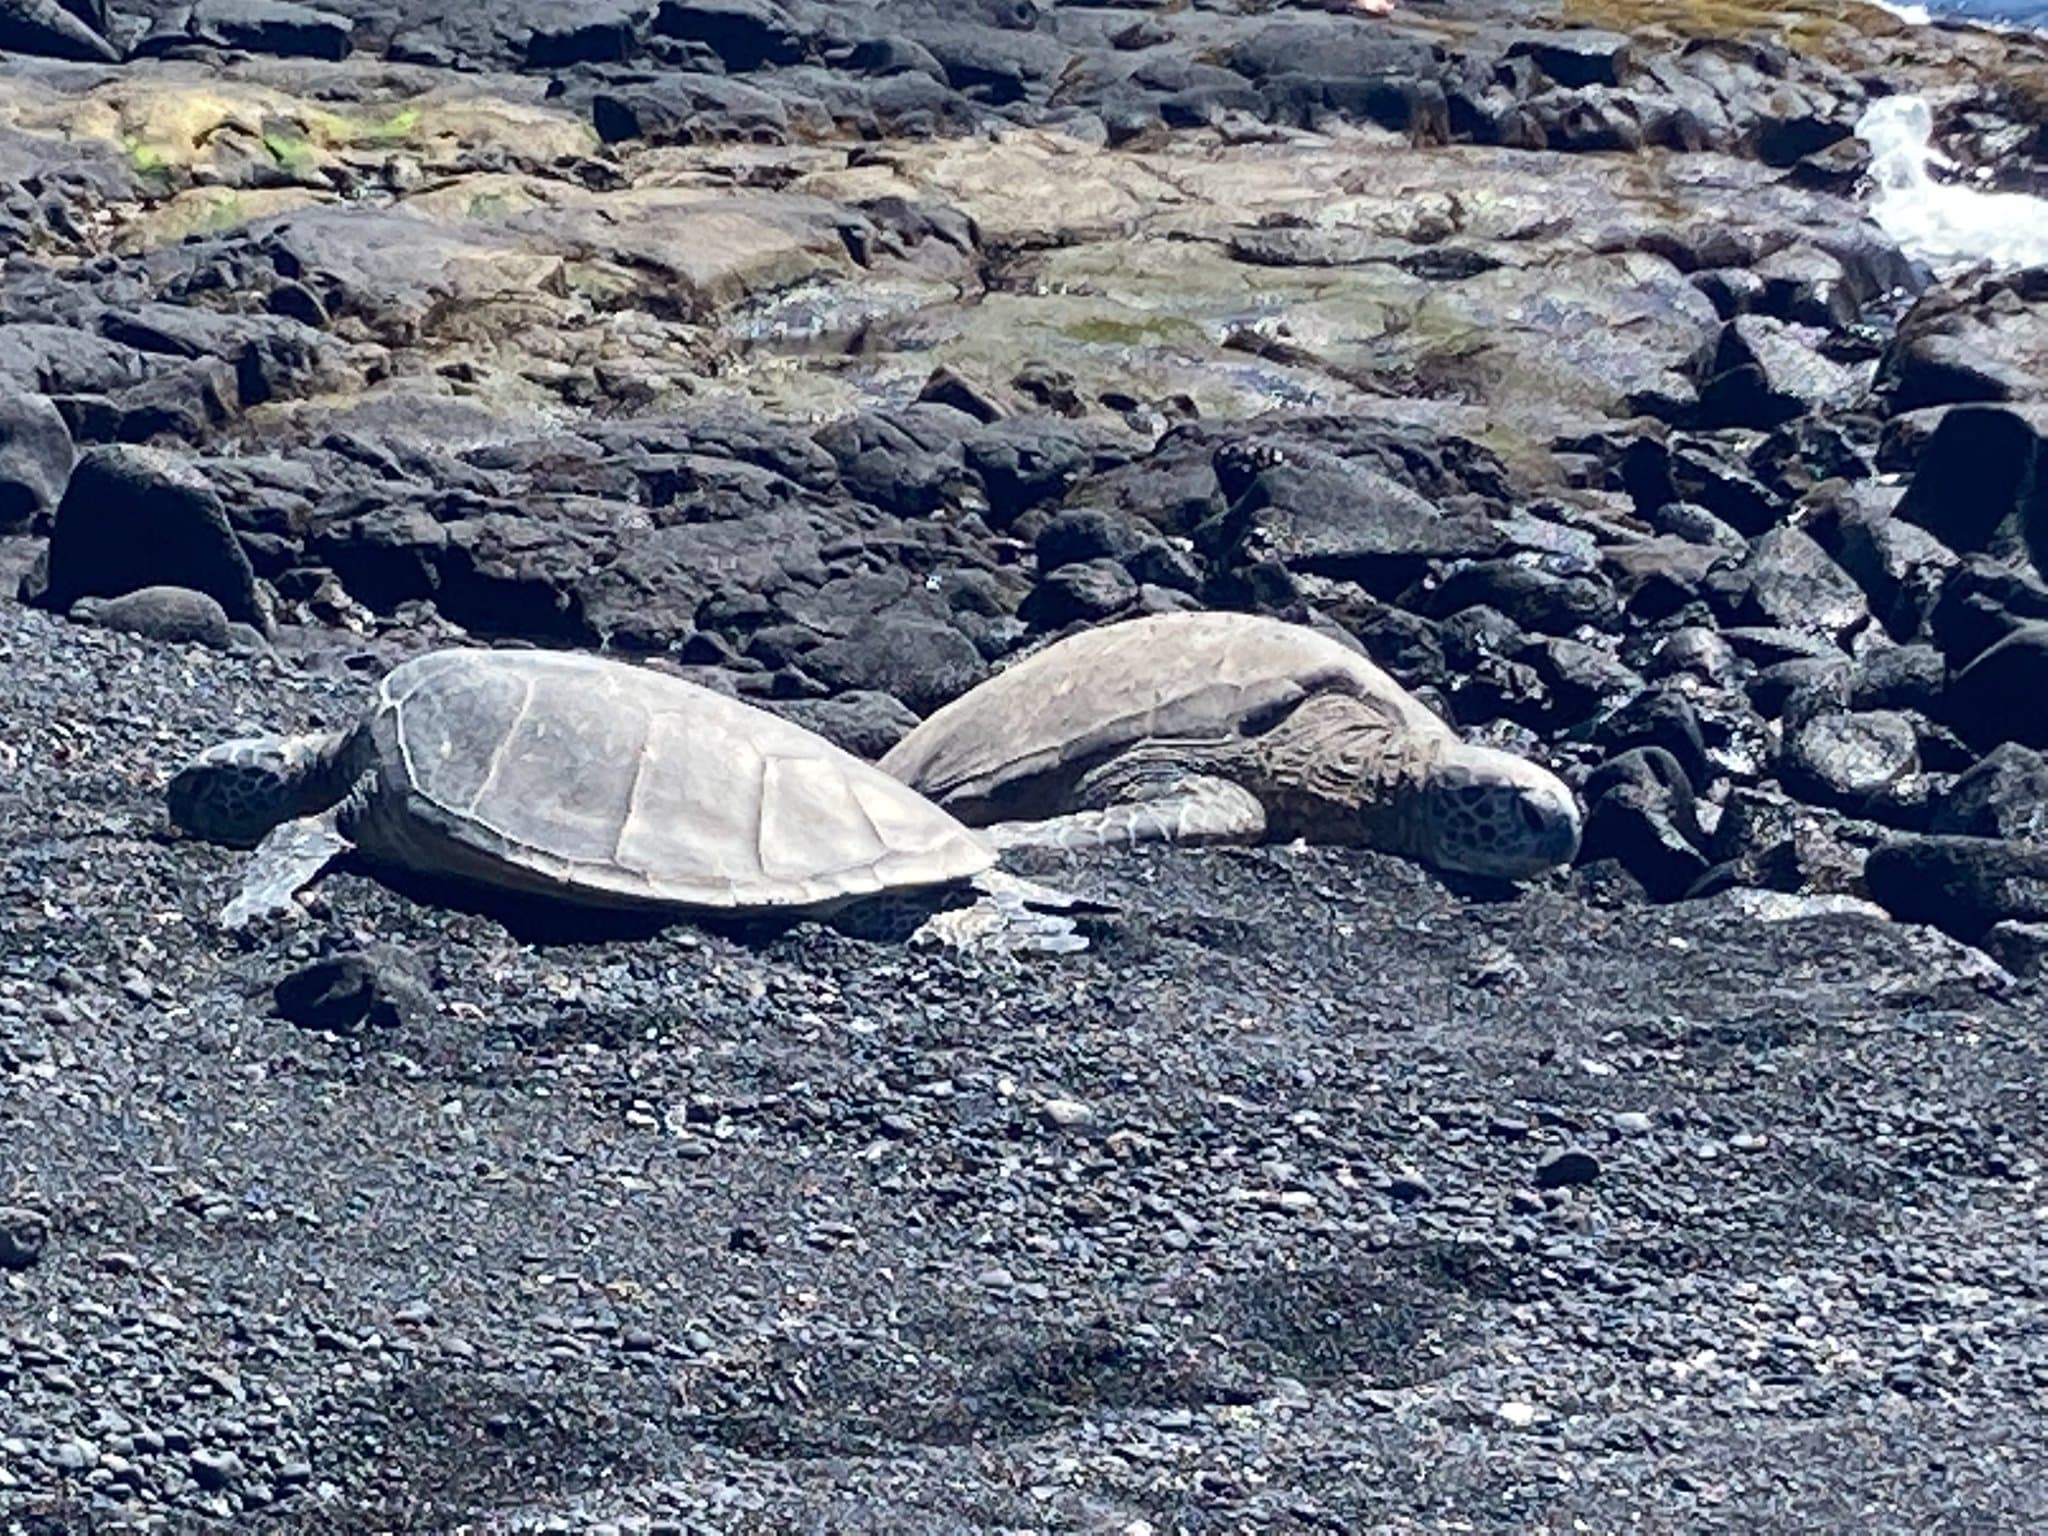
[2005,13]
[1949,225]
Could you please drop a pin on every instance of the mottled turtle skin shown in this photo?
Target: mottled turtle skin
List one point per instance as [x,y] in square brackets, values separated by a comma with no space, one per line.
[1231,727]
[581,780]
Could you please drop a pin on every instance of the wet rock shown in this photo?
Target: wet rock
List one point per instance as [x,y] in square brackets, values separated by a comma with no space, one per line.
[1765,373]
[921,662]
[138,517]
[374,989]
[1641,814]
[174,615]
[1991,699]
[1961,885]
[1981,481]
[2004,794]
[1850,760]
[36,456]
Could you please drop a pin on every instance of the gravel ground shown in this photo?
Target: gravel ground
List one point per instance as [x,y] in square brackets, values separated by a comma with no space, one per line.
[1317,1197]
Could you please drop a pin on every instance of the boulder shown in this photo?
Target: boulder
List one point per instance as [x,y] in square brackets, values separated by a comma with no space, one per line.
[175,615]
[1961,885]
[1641,814]
[920,662]
[48,28]
[139,517]
[1981,481]
[36,456]
[2005,794]
[1999,696]
[745,34]
[863,722]
[272,26]
[1851,761]
[1085,592]
[1317,514]
[1765,373]
[1788,582]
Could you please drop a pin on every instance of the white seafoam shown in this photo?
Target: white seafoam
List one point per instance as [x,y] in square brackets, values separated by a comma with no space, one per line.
[1948,226]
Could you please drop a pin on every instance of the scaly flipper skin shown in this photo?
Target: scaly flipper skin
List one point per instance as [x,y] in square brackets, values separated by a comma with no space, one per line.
[1200,810]
[1013,916]
[290,858]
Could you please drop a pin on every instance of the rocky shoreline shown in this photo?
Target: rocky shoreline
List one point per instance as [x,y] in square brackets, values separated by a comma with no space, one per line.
[831,355]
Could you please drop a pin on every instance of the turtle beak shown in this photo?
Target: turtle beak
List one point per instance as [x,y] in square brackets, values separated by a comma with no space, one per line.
[1553,827]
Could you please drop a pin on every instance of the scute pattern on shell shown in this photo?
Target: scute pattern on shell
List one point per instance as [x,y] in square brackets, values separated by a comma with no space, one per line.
[629,784]
[1179,676]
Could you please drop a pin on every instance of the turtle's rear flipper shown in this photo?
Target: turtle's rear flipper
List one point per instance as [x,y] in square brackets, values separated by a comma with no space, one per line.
[1014,916]
[287,860]
[1199,810]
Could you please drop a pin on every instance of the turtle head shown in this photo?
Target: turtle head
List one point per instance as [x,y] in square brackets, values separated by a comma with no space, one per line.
[1488,812]
[236,792]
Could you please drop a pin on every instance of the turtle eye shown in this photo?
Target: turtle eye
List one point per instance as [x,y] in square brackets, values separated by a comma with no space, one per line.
[1533,816]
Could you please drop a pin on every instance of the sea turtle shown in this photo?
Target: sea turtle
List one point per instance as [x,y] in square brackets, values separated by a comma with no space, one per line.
[601,784]
[1229,727]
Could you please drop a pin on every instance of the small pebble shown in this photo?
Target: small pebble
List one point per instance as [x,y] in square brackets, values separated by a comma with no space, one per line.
[214,1470]
[22,1237]
[1563,1169]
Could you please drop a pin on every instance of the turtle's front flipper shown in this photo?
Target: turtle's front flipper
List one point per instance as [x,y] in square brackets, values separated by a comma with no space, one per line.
[1199,810]
[287,860]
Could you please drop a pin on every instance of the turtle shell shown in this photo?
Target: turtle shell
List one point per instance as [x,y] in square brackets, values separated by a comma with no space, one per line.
[1010,746]
[596,780]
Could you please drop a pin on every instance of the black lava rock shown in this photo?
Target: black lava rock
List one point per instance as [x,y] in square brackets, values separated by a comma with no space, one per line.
[23,1236]
[1563,1170]
[375,989]
[1642,816]
[1850,760]
[2005,794]
[138,517]
[1996,697]
[176,615]
[36,456]
[1088,592]
[1982,481]
[1961,885]
[922,662]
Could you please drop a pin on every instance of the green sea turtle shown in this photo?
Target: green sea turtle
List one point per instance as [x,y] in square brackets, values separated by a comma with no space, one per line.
[1229,727]
[599,784]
